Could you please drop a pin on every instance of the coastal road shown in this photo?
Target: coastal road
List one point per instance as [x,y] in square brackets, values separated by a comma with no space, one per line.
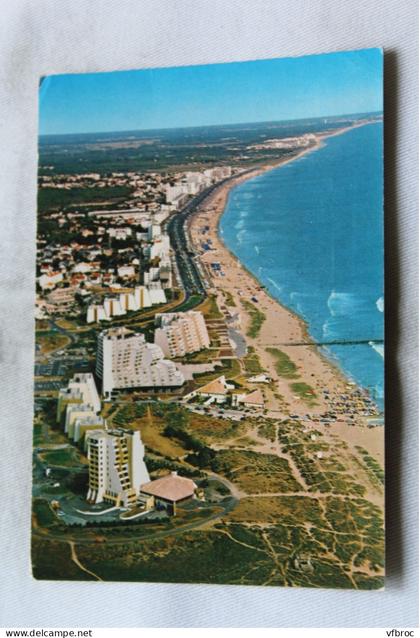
[185,256]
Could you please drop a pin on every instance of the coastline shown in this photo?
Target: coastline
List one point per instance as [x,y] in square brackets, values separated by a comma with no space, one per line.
[281,327]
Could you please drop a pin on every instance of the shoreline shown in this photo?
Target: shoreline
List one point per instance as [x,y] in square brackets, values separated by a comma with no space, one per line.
[281,326]
[304,325]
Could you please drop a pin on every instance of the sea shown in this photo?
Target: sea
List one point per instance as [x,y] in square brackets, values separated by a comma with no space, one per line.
[311,231]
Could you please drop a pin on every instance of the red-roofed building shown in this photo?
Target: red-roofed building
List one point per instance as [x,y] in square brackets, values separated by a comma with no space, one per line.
[215,391]
[169,490]
[254,399]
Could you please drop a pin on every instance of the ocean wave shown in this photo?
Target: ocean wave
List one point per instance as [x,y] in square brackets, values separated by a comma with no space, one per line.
[342,303]
[327,330]
[380,304]
[275,284]
[300,302]
[378,347]
[240,236]
[257,249]
[379,391]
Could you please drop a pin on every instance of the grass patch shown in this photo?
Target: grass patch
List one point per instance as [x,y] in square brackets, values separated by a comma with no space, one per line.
[252,363]
[59,198]
[291,510]
[64,457]
[254,472]
[38,436]
[49,341]
[230,368]
[229,300]
[304,391]
[372,465]
[43,514]
[329,473]
[51,560]
[257,319]
[193,557]
[211,429]
[210,309]
[151,427]
[283,364]
[202,356]
[268,430]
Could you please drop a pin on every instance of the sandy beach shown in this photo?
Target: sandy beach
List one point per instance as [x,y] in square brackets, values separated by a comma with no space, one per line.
[331,402]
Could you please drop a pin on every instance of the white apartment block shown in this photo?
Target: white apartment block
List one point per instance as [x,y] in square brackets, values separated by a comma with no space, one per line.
[120,233]
[159,248]
[49,281]
[95,313]
[79,419]
[161,215]
[153,232]
[174,193]
[218,172]
[126,271]
[138,298]
[156,292]
[125,360]
[181,333]
[81,389]
[116,466]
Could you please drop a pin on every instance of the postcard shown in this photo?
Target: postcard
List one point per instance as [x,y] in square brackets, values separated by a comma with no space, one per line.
[209,395]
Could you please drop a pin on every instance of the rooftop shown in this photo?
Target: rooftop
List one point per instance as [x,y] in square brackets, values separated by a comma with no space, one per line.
[170,487]
[120,332]
[217,386]
[255,397]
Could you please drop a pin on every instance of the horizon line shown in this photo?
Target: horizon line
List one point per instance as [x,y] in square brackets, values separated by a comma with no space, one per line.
[197,126]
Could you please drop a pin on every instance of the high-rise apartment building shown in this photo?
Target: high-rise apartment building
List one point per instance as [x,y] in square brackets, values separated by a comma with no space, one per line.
[181,333]
[125,360]
[116,466]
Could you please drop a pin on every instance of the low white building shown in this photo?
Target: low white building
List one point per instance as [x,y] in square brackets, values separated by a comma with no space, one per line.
[126,272]
[259,378]
[120,233]
[83,267]
[112,307]
[130,300]
[253,400]
[156,293]
[215,391]
[48,281]
[95,313]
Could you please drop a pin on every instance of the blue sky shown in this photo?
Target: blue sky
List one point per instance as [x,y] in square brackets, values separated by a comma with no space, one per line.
[263,90]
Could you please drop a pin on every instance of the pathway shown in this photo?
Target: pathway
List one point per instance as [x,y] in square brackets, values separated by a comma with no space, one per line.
[78,563]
